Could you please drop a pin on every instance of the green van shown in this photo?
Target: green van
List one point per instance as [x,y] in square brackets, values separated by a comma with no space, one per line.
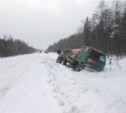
[91,57]
[85,56]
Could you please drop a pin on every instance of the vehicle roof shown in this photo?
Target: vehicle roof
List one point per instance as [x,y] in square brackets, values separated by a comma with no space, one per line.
[95,49]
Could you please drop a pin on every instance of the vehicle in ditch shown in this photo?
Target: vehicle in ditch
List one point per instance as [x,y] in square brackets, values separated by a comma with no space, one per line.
[78,59]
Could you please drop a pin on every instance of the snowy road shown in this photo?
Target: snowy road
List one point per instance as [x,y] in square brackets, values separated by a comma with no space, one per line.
[37,84]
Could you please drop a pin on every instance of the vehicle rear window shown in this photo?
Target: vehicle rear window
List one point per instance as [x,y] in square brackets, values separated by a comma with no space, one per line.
[102,58]
[97,56]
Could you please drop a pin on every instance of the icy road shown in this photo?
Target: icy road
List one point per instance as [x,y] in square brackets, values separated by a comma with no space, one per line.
[35,83]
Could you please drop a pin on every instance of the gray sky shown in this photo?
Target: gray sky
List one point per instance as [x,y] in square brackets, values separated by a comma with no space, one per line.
[43,22]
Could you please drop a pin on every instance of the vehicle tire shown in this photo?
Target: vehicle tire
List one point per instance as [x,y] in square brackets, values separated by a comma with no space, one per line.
[83,67]
[59,60]
[64,61]
[76,67]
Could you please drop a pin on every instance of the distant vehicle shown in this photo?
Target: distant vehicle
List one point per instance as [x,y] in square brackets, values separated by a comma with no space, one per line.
[46,52]
[85,56]
[40,51]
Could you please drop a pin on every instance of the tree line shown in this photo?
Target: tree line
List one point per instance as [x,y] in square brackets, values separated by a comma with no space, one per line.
[11,47]
[105,31]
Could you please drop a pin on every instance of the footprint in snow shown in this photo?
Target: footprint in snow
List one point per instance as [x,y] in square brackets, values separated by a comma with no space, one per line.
[74,83]
[61,103]
[74,109]
[56,90]
[43,94]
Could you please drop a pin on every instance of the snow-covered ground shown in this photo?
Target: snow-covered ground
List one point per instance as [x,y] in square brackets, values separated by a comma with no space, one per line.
[35,83]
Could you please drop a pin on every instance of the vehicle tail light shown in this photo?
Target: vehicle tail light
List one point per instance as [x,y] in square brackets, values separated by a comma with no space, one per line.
[91,60]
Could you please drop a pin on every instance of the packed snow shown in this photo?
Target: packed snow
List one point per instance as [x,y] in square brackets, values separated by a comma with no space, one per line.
[35,83]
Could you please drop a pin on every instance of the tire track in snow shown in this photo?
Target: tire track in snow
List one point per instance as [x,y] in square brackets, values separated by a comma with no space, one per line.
[29,93]
[10,75]
[81,95]
[67,97]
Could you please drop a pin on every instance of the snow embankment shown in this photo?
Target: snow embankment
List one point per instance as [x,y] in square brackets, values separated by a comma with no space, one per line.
[37,84]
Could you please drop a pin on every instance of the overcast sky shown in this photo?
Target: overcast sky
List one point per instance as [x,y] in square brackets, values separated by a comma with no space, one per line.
[43,22]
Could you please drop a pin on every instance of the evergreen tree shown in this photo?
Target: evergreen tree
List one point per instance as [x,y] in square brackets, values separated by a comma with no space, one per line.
[87,33]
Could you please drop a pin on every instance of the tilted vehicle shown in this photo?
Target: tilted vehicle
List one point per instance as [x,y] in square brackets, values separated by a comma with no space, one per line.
[85,56]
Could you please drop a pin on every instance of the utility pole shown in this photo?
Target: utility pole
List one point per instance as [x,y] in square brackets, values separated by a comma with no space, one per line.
[115,35]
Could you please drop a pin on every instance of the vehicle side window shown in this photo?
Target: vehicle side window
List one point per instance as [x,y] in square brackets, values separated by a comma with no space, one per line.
[96,55]
[85,49]
[102,58]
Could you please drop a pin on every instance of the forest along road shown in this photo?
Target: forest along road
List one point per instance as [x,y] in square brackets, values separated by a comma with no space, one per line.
[35,83]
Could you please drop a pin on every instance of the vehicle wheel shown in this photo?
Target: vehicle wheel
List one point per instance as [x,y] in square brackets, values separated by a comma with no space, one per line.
[59,60]
[64,61]
[83,67]
[77,67]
